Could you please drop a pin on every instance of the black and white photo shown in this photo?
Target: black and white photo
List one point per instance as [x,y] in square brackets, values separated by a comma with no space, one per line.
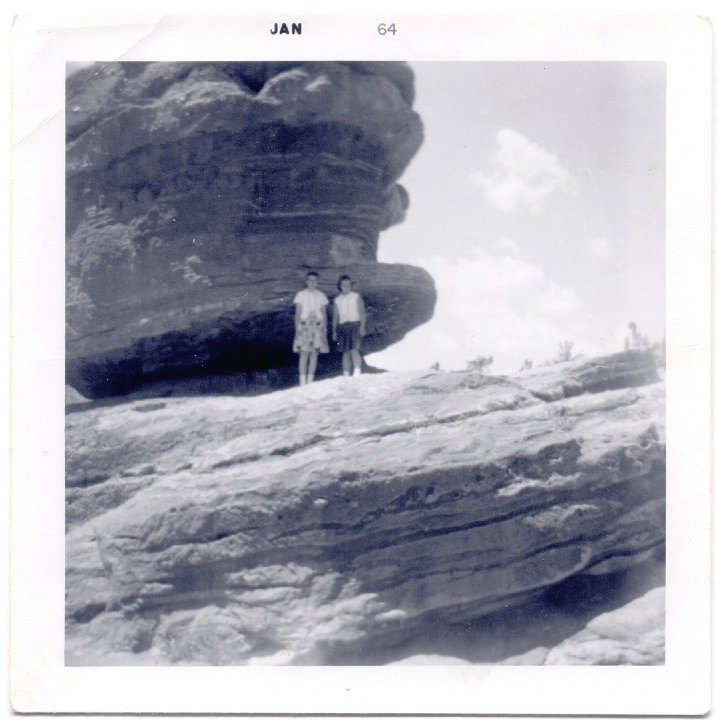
[371,366]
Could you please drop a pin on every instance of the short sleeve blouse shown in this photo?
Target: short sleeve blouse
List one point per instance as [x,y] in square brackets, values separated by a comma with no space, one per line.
[311,302]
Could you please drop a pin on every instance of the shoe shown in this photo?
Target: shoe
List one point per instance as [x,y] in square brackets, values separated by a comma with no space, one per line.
[347,373]
[357,371]
[302,380]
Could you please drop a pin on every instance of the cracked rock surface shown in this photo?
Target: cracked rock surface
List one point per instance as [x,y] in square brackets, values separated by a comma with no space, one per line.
[311,524]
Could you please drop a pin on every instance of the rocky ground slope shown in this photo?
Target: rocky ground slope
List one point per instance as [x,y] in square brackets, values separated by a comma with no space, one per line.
[336,522]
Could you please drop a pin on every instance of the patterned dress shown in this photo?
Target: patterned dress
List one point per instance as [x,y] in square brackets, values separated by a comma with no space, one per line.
[311,332]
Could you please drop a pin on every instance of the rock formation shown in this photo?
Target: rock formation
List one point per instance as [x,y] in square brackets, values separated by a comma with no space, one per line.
[317,524]
[199,194]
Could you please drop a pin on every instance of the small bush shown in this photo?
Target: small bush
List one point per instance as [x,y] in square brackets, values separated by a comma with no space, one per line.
[565,352]
[636,340]
[480,364]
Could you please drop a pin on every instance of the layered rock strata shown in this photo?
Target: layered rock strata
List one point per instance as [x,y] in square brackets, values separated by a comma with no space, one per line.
[199,194]
[316,522]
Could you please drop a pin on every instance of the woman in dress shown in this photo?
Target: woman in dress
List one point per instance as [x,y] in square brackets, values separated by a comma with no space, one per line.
[310,326]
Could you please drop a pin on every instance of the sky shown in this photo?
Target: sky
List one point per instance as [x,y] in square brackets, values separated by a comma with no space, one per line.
[537,204]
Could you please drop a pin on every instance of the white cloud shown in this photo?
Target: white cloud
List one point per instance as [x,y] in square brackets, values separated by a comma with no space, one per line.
[492,302]
[600,248]
[525,175]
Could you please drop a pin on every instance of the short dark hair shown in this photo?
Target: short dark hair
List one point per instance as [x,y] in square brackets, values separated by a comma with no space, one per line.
[341,279]
[312,273]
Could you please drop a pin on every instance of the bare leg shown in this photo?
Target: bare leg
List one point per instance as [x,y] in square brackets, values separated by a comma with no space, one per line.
[313,357]
[346,363]
[303,361]
[356,357]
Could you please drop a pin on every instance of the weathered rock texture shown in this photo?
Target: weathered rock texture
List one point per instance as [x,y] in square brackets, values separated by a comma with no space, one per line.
[307,525]
[631,635]
[199,194]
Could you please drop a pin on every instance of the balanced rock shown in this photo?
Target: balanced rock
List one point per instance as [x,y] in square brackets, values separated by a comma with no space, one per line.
[198,196]
[313,524]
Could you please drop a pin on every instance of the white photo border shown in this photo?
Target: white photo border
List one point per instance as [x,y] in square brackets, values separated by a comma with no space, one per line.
[40,682]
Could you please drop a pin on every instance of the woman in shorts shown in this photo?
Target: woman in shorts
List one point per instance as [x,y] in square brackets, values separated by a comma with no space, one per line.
[349,325]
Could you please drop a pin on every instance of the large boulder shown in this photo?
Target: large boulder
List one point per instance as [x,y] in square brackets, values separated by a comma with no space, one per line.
[318,522]
[198,196]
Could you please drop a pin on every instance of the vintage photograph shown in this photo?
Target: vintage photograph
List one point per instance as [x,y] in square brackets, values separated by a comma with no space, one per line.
[365,363]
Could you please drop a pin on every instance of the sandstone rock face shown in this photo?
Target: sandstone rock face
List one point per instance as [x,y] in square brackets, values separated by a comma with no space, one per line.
[631,635]
[198,196]
[307,525]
